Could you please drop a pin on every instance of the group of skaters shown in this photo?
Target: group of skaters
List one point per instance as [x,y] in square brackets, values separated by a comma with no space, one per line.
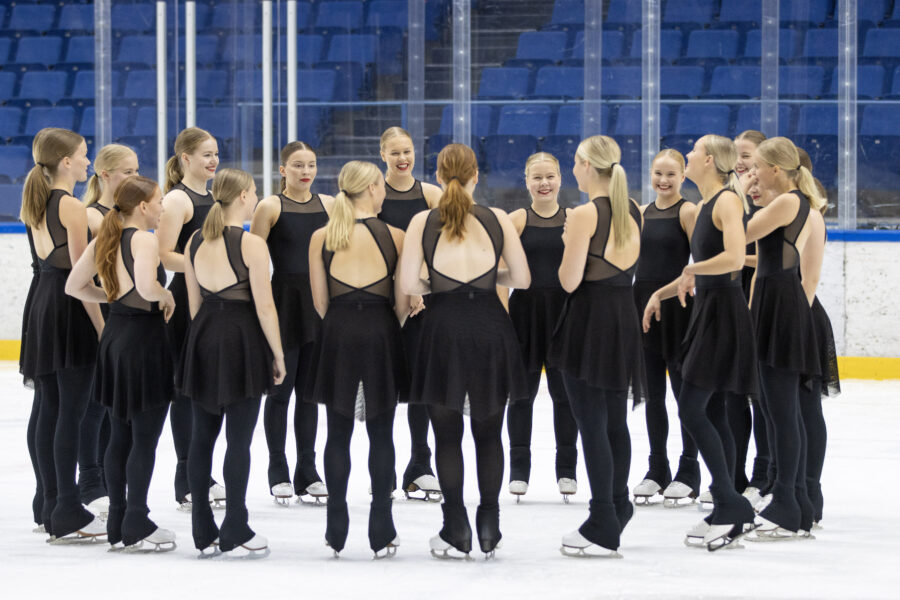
[396,290]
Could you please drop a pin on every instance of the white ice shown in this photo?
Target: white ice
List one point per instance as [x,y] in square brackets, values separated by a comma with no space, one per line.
[851,557]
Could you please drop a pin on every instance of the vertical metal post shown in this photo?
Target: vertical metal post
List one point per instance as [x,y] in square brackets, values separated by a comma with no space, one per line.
[190,63]
[291,70]
[846,74]
[415,86]
[267,96]
[462,72]
[162,141]
[649,95]
[102,73]
[591,114]
[768,68]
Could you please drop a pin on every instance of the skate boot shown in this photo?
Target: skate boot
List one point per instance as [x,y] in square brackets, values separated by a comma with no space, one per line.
[92,533]
[706,501]
[646,490]
[338,523]
[383,539]
[696,534]
[518,489]
[217,495]
[487,524]
[456,534]
[726,536]
[769,531]
[185,504]
[161,540]
[576,545]
[428,486]
[255,548]
[657,478]
[678,494]
[316,491]
[210,551]
[567,487]
[283,492]
[100,507]
[752,495]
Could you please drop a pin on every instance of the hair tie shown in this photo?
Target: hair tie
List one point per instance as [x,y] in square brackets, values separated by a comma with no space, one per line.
[40,164]
[798,167]
[613,164]
[216,200]
[731,172]
[117,208]
[345,192]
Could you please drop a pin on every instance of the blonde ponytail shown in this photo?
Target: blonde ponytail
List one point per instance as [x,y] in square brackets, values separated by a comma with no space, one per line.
[355,177]
[187,142]
[49,147]
[603,153]
[782,153]
[456,166]
[806,183]
[226,188]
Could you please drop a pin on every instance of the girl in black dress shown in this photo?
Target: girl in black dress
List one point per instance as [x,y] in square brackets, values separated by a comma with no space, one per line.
[719,319]
[286,221]
[133,377]
[405,196]
[597,344]
[665,250]
[60,347]
[186,203]
[231,357]
[534,313]
[468,359]
[358,367]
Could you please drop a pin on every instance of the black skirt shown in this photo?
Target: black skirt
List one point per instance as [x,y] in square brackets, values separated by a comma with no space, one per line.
[26,311]
[467,348]
[180,322]
[666,336]
[598,339]
[534,314]
[297,317]
[134,371]
[831,380]
[226,358]
[360,343]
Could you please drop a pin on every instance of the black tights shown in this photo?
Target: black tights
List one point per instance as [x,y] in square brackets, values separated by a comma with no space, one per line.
[816,441]
[90,471]
[306,421]
[759,479]
[419,451]
[519,420]
[381,472]
[740,422]
[64,398]
[601,416]
[130,457]
[37,502]
[704,414]
[240,421]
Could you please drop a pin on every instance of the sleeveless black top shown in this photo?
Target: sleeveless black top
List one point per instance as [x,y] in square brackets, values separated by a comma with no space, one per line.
[383,287]
[542,241]
[778,253]
[59,257]
[400,207]
[441,283]
[289,237]
[665,247]
[706,243]
[202,204]
[239,291]
[597,268]
[132,300]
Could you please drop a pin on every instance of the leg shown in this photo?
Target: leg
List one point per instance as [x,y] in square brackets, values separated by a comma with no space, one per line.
[620,444]
[37,502]
[761,441]
[488,436]
[717,410]
[688,467]
[47,391]
[90,477]
[337,473]
[657,418]
[448,457]
[740,421]
[306,423]
[817,439]
[520,415]
[240,422]
[146,428]
[205,430]
[807,510]
[564,427]
[117,452]
[419,453]
[381,473]
[180,418]
[275,420]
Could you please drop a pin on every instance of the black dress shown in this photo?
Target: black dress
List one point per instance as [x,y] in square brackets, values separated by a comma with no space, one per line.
[665,250]
[360,343]
[59,333]
[468,348]
[26,311]
[104,307]
[226,358]
[719,350]
[134,368]
[598,338]
[288,243]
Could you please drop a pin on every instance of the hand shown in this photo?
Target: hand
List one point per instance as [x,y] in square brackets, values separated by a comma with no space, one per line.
[685,286]
[416,305]
[652,310]
[168,306]
[278,370]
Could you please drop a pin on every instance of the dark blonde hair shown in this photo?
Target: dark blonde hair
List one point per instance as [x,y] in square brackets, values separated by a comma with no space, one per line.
[130,193]
[226,188]
[391,133]
[603,153]
[456,166]
[670,153]
[286,153]
[541,157]
[782,153]
[354,178]
[49,147]
[751,135]
[725,156]
[109,157]
[187,142]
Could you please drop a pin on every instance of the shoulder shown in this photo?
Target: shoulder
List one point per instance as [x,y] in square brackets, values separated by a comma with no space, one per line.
[69,202]
[253,245]
[419,219]
[397,235]
[789,199]
[144,240]
[317,238]
[519,218]
[327,202]
[270,204]
[432,194]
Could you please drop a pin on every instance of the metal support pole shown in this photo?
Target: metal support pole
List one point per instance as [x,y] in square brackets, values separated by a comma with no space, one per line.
[190,63]
[415,90]
[267,96]
[649,95]
[593,69]
[846,74]
[292,128]
[462,72]
[102,73]
[162,141]
[769,39]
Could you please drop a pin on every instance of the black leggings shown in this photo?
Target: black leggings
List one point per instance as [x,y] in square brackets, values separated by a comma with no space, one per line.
[130,457]
[90,472]
[64,398]
[704,414]
[740,421]
[601,416]
[381,472]
[658,424]
[419,451]
[519,421]
[816,441]
[306,421]
[759,478]
[240,421]
[37,502]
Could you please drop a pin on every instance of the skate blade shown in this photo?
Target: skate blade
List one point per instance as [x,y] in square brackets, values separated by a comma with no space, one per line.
[565,498]
[218,504]
[185,507]
[678,502]
[693,542]
[427,495]
[77,539]
[450,554]
[646,500]
[207,554]
[730,542]
[316,500]
[389,551]
[574,552]
[149,548]
[242,553]
[283,500]
[116,548]
[779,534]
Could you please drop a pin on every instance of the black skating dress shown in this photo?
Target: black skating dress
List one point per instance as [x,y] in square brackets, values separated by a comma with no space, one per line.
[226,358]
[360,343]
[598,338]
[104,307]
[831,380]
[134,371]
[719,350]
[783,322]
[665,250]
[535,311]
[468,348]
[288,243]
[26,311]
[59,333]
[747,272]
[177,327]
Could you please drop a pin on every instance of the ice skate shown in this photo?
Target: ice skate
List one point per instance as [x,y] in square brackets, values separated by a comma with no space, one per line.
[567,487]
[100,507]
[39,529]
[487,525]
[428,485]
[117,547]
[217,495]
[317,491]
[763,503]
[389,551]
[768,531]
[518,489]
[803,534]
[92,533]
[576,545]
[445,551]
[161,540]
[283,492]
[257,547]
[186,505]
[678,494]
[457,530]
[646,490]
[705,501]
[726,536]
[752,495]
[696,534]
[210,551]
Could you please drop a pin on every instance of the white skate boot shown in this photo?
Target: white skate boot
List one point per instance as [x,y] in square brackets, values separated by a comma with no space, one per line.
[567,487]
[678,494]
[92,533]
[217,495]
[186,505]
[644,491]
[100,507]
[428,485]
[389,551]
[752,495]
[210,551]
[696,534]
[763,503]
[726,536]
[445,551]
[161,540]
[576,545]
[518,489]
[257,547]
[769,531]
[283,492]
[317,491]
[706,501]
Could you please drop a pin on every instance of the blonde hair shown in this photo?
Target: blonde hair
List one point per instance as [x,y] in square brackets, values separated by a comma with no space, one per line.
[354,178]
[751,135]
[541,157]
[391,133]
[782,153]
[603,153]
[108,159]
[187,142]
[49,147]
[456,166]
[227,187]
[670,153]
[286,153]
[725,156]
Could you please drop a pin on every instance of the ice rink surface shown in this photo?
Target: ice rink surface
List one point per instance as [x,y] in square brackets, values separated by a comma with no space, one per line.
[854,556]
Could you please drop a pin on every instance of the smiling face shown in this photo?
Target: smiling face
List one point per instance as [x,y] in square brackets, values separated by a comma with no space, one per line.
[127,167]
[543,181]
[765,174]
[202,163]
[300,169]
[399,155]
[745,150]
[667,177]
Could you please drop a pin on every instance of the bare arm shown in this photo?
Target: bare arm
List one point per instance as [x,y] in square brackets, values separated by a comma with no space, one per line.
[580,225]
[256,255]
[780,212]
[412,258]
[265,215]
[94,219]
[728,218]
[318,281]
[812,255]
[516,273]
[401,299]
[80,283]
[177,210]
[195,299]
[687,216]
[145,249]
[73,217]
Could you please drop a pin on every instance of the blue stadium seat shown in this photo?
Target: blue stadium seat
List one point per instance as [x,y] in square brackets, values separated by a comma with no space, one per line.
[131,17]
[709,46]
[248,84]
[734,82]
[359,48]
[871,11]
[870,82]
[524,119]
[621,82]
[670,41]
[38,17]
[44,50]
[880,136]
[880,120]
[340,16]
[316,84]
[821,46]
[10,121]
[628,120]
[138,50]
[220,122]
[207,47]
[243,49]
[387,13]
[506,156]
[15,162]
[749,117]
[681,82]
[309,48]
[694,13]
[83,87]
[503,82]
[80,50]
[622,14]
[700,119]
[10,198]
[351,81]
[7,84]
[882,44]
[118,117]
[805,11]
[40,85]
[817,119]
[613,46]
[559,82]
[788,46]
[76,17]
[49,116]
[481,120]
[801,81]
[140,86]
[895,86]
[5,47]
[233,15]
[740,14]
[212,85]
[569,120]
[567,13]
[144,122]
[540,48]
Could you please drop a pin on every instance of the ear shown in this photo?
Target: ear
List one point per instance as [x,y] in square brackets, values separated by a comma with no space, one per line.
[281,171]
[475,178]
[383,156]
[185,158]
